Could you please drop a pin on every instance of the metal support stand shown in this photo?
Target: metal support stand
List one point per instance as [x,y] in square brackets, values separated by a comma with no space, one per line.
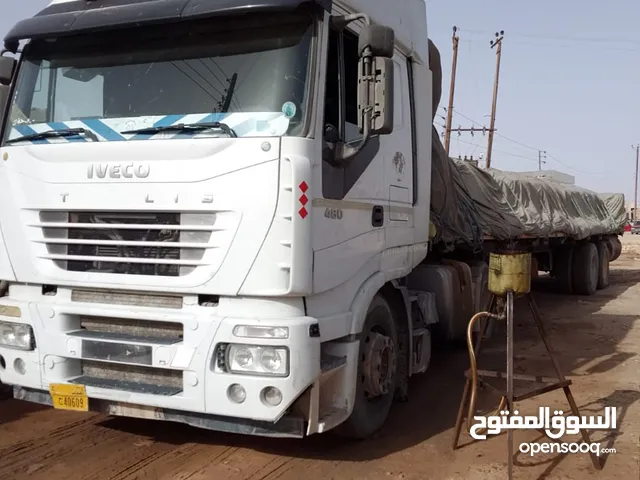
[551,384]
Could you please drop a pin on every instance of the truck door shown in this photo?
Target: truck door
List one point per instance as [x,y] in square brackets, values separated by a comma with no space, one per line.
[398,164]
[352,216]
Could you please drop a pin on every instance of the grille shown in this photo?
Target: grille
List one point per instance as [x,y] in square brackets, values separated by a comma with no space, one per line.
[136,330]
[117,353]
[154,381]
[165,244]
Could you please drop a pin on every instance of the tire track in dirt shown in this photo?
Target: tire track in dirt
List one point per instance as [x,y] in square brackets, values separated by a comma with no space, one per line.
[603,330]
[67,442]
[39,425]
[165,457]
[182,462]
[201,457]
[32,441]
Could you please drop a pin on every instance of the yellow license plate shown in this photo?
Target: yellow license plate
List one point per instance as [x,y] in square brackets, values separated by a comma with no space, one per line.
[69,397]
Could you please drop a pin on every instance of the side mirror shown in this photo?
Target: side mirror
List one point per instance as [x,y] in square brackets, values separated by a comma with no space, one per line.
[375,94]
[380,40]
[7,67]
[4,96]
[375,80]
[376,46]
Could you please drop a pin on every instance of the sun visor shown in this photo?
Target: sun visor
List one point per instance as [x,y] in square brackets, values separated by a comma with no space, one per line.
[83,16]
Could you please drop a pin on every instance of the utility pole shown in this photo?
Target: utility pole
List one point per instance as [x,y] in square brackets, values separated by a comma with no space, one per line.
[541,154]
[452,88]
[497,42]
[635,182]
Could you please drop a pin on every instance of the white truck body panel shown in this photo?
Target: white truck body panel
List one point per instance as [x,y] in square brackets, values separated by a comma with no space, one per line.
[267,243]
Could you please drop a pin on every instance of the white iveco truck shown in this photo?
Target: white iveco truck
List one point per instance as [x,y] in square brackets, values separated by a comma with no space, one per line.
[216,212]
[202,204]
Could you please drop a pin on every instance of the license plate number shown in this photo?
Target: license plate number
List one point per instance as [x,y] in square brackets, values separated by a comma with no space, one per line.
[69,397]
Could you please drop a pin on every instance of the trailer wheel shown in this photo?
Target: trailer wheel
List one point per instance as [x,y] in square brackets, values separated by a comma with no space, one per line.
[562,268]
[377,375]
[616,248]
[585,269]
[604,254]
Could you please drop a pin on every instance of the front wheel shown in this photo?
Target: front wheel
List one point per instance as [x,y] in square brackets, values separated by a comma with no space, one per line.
[377,372]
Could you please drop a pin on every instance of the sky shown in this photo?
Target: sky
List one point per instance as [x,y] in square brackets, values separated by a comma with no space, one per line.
[568,82]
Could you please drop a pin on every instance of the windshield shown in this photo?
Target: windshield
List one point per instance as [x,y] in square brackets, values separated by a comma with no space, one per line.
[250,73]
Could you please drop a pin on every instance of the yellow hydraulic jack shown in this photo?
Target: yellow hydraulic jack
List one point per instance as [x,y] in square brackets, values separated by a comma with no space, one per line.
[509,275]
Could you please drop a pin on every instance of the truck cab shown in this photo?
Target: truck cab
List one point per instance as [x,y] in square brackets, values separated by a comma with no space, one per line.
[210,210]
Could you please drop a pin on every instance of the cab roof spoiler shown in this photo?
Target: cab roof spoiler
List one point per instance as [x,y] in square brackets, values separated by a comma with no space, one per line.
[85,16]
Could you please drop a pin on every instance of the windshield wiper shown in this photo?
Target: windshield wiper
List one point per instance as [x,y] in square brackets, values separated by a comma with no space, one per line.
[63,132]
[187,126]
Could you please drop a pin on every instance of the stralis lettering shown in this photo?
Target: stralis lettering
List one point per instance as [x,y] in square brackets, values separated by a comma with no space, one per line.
[118,170]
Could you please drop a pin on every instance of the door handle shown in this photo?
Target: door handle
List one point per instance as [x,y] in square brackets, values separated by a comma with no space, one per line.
[377,216]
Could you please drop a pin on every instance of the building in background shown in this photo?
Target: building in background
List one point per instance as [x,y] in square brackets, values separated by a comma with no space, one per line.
[630,211]
[551,175]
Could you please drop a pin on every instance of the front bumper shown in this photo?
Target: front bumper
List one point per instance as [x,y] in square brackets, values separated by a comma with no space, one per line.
[61,355]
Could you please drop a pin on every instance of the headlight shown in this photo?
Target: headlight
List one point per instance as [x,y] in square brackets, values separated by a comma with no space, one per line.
[258,360]
[16,335]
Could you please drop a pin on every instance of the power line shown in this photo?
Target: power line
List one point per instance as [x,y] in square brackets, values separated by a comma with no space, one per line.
[530,147]
[594,43]
[558,45]
[193,80]
[498,134]
[502,151]
[517,142]
[212,72]
[560,37]
[468,118]
[186,64]
[576,170]
[537,160]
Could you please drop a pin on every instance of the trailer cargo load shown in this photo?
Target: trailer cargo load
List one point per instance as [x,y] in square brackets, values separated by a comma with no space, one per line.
[470,204]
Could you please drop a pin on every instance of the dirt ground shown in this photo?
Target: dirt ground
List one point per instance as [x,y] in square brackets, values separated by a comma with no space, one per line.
[598,342]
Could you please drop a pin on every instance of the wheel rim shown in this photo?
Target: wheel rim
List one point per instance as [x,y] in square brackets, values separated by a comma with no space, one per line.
[378,365]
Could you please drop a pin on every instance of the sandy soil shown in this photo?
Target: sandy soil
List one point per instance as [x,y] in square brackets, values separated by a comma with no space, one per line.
[598,343]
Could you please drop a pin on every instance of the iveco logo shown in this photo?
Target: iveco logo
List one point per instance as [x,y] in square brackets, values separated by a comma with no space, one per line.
[118,170]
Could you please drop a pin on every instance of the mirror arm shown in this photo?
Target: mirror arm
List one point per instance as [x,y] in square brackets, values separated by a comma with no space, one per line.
[341,22]
[342,152]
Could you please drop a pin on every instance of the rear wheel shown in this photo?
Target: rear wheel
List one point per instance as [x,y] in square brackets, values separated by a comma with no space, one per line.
[616,248]
[585,269]
[377,372]
[562,268]
[603,262]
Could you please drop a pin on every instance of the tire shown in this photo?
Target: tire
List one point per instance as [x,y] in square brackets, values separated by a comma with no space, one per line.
[563,269]
[603,265]
[616,248]
[5,391]
[369,414]
[585,269]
